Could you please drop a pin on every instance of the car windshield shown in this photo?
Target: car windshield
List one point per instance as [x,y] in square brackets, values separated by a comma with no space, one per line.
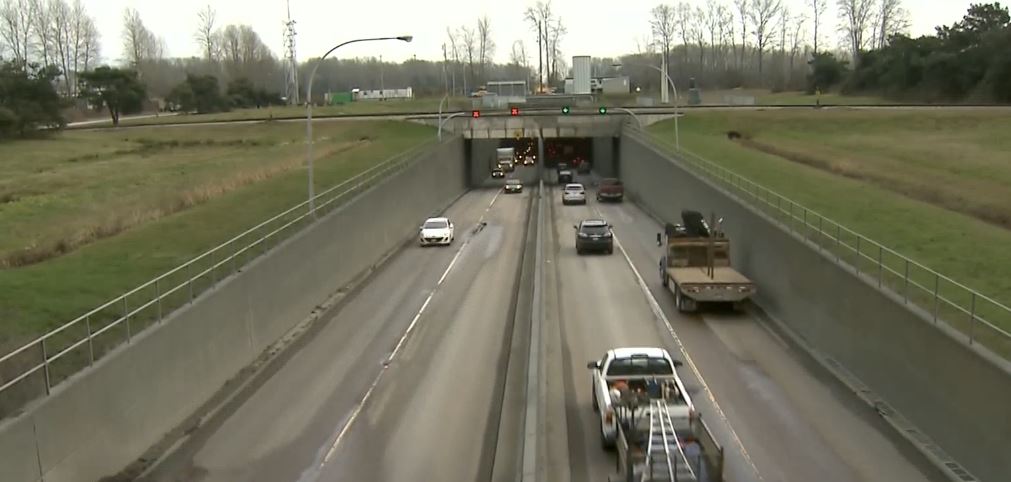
[595,230]
[610,182]
[436,224]
[574,187]
[513,182]
[639,366]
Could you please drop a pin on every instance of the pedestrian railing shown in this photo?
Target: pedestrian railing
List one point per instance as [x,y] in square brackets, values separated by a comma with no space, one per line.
[33,369]
[979,318]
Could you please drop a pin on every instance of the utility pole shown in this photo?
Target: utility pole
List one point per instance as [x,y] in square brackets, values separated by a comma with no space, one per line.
[290,62]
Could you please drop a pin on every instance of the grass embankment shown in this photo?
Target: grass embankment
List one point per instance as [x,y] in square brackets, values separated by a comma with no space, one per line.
[933,185]
[765,97]
[424,104]
[90,215]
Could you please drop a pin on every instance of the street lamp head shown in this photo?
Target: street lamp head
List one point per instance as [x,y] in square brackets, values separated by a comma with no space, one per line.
[406,38]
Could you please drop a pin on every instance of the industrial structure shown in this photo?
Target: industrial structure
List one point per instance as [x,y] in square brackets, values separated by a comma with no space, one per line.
[290,61]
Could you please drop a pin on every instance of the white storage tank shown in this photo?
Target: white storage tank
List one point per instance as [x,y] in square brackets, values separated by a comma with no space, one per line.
[581,74]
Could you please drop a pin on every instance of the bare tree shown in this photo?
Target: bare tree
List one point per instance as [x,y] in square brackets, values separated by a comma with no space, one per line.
[683,17]
[60,35]
[743,7]
[468,42]
[892,18]
[855,17]
[542,20]
[532,17]
[697,31]
[90,44]
[710,20]
[727,36]
[454,53]
[818,8]
[663,24]
[42,28]
[762,15]
[518,56]
[137,38]
[486,46]
[797,33]
[205,35]
[555,34]
[16,27]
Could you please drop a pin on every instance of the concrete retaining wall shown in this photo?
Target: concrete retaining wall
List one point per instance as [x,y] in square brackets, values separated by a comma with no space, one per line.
[104,418]
[956,397]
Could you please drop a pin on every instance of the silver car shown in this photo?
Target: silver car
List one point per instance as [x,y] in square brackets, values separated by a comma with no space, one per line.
[574,194]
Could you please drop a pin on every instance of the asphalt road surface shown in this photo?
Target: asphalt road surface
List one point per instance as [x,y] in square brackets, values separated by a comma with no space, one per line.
[779,415]
[406,380]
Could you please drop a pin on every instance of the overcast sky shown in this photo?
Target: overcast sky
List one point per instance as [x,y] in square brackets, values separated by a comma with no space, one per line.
[595,27]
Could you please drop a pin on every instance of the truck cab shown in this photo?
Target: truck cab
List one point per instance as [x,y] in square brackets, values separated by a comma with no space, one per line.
[636,371]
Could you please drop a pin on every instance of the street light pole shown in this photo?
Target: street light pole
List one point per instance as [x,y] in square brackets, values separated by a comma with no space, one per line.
[308,110]
[440,114]
[677,130]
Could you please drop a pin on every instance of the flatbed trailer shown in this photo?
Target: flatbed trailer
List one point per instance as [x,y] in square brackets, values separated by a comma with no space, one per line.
[696,266]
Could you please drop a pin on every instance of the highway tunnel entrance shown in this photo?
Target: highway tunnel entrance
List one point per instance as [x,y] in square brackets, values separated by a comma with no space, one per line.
[583,155]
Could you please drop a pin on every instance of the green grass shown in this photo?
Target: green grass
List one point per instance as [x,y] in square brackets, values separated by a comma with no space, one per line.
[163,195]
[424,104]
[765,97]
[912,180]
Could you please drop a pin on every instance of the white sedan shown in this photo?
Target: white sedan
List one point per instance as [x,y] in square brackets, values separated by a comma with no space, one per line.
[436,231]
[574,194]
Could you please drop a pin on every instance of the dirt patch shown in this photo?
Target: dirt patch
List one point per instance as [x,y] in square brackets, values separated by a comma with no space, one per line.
[178,202]
[945,200]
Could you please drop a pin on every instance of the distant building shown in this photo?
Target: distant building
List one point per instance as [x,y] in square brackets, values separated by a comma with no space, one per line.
[502,93]
[384,94]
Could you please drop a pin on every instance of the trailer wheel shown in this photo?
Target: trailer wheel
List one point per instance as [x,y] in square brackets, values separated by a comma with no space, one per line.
[679,299]
[604,443]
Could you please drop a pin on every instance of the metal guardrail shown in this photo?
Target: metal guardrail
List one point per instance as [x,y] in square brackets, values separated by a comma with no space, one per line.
[80,342]
[972,313]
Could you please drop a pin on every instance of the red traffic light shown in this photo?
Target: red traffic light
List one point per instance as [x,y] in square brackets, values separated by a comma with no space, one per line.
[514,111]
[475,113]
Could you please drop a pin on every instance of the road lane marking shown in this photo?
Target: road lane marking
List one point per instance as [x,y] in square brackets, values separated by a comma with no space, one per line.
[658,312]
[403,338]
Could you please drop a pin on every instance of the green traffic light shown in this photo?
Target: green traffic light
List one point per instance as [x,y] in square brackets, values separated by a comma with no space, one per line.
[565,110]
[602,110]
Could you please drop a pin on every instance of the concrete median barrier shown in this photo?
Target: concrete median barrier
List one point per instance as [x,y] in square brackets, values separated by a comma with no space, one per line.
[106,416]
[944,388]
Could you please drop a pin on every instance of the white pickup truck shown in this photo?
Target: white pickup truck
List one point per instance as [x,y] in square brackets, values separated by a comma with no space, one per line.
[643,371]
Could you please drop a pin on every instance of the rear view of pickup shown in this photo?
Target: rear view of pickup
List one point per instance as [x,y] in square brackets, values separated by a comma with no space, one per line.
[610,189]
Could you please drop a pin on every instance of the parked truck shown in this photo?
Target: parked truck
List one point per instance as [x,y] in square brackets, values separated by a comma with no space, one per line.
[695,265]
[505,158]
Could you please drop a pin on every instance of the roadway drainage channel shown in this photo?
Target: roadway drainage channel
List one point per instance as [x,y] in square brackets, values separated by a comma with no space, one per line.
[502,454]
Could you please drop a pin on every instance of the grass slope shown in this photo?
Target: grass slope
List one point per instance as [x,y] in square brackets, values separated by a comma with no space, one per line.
[235,176]
[955,154]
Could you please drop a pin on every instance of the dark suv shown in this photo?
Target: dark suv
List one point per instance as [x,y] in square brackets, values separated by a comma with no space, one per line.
[594,235]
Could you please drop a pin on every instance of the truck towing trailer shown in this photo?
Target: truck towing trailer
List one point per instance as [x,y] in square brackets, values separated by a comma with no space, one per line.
[695,265]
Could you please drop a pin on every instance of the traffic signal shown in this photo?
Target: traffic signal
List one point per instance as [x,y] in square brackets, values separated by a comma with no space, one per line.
[475,113]
[602,110]
[566,110]
[514,111]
